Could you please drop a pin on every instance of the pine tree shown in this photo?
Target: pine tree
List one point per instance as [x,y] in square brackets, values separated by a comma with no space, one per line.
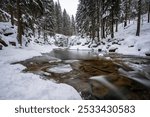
[148,11]
[66,23]
[47,21]
[73,25]
[58,18]
[19,23]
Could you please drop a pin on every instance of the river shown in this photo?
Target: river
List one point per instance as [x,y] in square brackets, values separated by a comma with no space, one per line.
[110,77]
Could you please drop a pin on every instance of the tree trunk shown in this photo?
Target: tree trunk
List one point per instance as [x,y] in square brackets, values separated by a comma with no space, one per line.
[129,10]
[11,13]
[103,28]
[102,22]
[148,12]
[93,29]
[126,13]
[112,23]
[98,19]
[117,25]
[19,35]
[139,19]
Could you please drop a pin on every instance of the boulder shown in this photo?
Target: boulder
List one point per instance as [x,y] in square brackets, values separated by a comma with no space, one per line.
[12,43]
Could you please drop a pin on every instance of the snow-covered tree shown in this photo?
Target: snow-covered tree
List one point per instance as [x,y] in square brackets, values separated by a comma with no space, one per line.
[58,18]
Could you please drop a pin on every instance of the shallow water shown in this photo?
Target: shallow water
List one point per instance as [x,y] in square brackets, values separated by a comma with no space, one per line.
[94,77]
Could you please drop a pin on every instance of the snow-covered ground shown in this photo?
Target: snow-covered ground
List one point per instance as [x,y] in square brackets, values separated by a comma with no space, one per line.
[14,84]
[125,41]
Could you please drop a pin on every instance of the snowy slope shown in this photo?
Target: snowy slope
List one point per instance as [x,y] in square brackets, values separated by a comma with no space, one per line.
[132,44]
[125,41]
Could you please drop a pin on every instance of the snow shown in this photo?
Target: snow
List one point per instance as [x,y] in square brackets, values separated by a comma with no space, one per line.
[16,85]
[61,69]
[5,27]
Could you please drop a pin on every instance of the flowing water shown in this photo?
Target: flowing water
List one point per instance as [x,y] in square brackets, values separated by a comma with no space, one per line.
[94,77]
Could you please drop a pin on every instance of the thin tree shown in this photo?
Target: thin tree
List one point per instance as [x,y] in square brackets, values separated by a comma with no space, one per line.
[11,10]
[19,35]
[126,13]
[139,18]
[148,11]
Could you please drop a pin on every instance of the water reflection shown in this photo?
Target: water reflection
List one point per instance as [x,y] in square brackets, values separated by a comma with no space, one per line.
[74,55]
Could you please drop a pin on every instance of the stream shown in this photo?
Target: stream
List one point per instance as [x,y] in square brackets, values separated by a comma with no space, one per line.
[94,77]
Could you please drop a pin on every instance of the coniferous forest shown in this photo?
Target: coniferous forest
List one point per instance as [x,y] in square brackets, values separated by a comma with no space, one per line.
[43,15]
[100,53]
[94,18]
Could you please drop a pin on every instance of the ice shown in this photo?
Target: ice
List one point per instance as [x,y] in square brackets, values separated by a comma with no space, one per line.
[61,69]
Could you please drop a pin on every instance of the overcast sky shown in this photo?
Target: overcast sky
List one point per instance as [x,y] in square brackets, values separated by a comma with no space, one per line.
[69,5]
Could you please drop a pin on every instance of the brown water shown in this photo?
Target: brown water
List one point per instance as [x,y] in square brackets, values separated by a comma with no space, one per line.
[122,77]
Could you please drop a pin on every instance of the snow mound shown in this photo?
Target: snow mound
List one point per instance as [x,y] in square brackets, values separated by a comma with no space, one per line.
[15,85]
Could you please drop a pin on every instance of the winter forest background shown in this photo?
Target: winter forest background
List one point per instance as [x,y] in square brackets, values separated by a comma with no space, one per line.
[94,18]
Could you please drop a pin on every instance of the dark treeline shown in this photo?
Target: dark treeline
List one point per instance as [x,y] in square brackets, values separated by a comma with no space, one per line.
[42,16]
[100,18]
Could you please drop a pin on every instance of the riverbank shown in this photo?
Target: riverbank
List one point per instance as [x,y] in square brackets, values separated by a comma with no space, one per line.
[15,84]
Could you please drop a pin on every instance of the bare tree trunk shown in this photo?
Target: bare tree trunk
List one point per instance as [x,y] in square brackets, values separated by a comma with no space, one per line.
[117,25]
[129,10]
[19,35]
[103,28]
[148,12]
[139,19]
[126,13]
[93,30]
[98,19]
[112,22]
[11,13]
[102,22]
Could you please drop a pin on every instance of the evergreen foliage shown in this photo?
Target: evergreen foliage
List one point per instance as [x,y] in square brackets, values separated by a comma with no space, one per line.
[42,16]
